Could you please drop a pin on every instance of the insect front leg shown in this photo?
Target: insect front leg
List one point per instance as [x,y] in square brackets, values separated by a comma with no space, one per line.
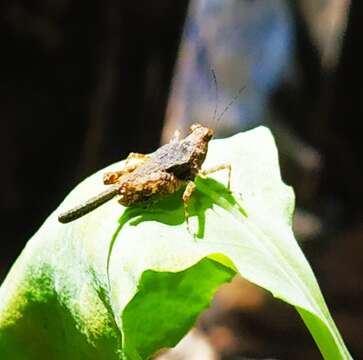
[186,198]
[227,166]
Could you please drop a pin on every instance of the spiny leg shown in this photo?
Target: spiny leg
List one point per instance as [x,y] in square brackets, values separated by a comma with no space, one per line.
[136,158]
[186,198]
[227,166]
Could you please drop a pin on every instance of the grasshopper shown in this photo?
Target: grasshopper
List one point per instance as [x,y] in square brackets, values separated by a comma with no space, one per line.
[164,172]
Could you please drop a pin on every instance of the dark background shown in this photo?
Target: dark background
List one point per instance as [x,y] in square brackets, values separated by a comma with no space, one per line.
[84,83]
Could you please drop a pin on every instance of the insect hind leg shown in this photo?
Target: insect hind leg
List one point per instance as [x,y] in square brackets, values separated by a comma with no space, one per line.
[136,156]
[132,161]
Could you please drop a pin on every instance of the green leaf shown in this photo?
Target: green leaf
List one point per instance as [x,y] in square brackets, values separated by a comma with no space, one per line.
[123,283]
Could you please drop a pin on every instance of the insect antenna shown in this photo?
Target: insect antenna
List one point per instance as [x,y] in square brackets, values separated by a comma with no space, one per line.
[235,97]
[214,77]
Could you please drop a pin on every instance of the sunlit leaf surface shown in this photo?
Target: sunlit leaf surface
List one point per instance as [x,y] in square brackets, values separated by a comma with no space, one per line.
[124,283]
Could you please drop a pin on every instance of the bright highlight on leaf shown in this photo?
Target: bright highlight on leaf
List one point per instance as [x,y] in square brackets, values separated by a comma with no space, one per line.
[123,283]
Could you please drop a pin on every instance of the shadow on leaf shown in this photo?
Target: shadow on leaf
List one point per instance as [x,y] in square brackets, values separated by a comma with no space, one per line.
[169,209]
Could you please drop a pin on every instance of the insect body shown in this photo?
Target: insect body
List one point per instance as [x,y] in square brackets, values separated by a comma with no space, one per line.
[172,166]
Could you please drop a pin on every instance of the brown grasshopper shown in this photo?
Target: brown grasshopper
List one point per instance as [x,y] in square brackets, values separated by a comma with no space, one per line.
[165,171]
